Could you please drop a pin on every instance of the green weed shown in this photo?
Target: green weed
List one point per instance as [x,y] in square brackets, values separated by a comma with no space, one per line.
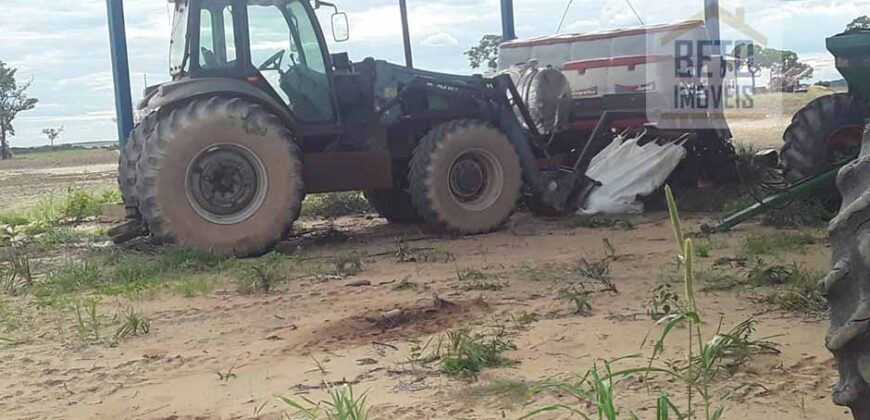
[703,249]
[701,363]
[88,324]
[599,270]
[539,273]
[71,277]
[262,275]
[802,293]
[714,279]
[13,219]
[509,392]
[348,265]
[664,301]
[405,284]
[6,342]
[598,222]
[61,236]
[525,318]
[777,242]
[132,324]
[407,254]
[469,274]
[192,259]
[16,275]
[332,205]
[808,212]
[468,352]
[74,206]
[482,286]
[343,404]
[579,300]
[193,285]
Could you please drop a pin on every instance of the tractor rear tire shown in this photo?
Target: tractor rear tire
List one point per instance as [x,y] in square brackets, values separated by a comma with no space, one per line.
[223,175]
[827,126]
[846,289]
[465,177]
[128,161]
[395,205]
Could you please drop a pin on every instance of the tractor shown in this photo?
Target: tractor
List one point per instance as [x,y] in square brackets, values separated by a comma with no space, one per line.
[826,133]
[846,287]
[259,114]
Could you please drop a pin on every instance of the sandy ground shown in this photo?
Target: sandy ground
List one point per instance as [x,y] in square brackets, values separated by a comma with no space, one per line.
[24,181]
[273,343]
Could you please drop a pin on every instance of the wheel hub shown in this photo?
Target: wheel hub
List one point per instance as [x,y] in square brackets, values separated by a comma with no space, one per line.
[468,179]
[226,183]
[844,144]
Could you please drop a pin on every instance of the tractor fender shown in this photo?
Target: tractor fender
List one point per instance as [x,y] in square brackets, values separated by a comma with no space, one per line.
[173,94]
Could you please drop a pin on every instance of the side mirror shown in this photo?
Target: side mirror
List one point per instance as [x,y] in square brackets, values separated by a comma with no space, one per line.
[340,27]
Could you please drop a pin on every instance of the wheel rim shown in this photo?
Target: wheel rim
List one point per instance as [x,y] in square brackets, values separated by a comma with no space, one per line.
[226,183]
[844,144]
[476,179]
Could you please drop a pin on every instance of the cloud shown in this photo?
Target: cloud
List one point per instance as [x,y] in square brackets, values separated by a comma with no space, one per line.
[441,39]
[100,81]
[64,45]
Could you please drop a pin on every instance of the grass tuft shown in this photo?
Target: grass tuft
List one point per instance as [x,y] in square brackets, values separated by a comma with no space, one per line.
[468,352]
[579,300]
[349,265]
[509,392]
[16,275]
[343,404]
[132,324]
[777,242]
[405,284]
[332,205]
[262,275]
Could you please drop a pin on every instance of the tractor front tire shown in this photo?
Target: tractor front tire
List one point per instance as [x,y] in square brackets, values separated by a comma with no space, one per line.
[220,174]
[465,177]
[394,205]
[128,162]
[825,132]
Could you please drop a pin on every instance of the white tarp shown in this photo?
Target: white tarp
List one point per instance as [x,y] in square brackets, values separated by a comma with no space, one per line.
[627,171]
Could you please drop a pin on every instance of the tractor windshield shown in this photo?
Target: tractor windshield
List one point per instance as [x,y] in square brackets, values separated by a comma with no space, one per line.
[178,51]
[287,48]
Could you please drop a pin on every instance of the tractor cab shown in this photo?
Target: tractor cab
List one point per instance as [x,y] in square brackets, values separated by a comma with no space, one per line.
[276,46]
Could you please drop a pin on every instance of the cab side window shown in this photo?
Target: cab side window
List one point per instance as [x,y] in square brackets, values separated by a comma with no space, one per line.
[217,38]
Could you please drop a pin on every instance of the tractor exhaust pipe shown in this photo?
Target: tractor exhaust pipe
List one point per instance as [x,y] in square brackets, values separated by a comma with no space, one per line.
[406,34]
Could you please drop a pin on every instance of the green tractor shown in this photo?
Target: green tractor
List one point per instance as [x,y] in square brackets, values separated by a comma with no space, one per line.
[259,114]
[827,132]
[846,287]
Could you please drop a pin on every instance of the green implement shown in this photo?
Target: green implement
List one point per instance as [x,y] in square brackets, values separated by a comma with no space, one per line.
[822,182]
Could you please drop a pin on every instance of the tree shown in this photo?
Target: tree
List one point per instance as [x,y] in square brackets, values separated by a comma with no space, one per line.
[13,99]
[859,24]
[486,53]
[781,63]
[52,134]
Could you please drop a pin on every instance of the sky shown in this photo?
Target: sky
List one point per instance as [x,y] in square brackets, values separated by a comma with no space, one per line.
[63,47]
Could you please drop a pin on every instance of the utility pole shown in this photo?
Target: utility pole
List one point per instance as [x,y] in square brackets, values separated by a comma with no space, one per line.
[406,34]
[711,17]
[120,70]
[508,28]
